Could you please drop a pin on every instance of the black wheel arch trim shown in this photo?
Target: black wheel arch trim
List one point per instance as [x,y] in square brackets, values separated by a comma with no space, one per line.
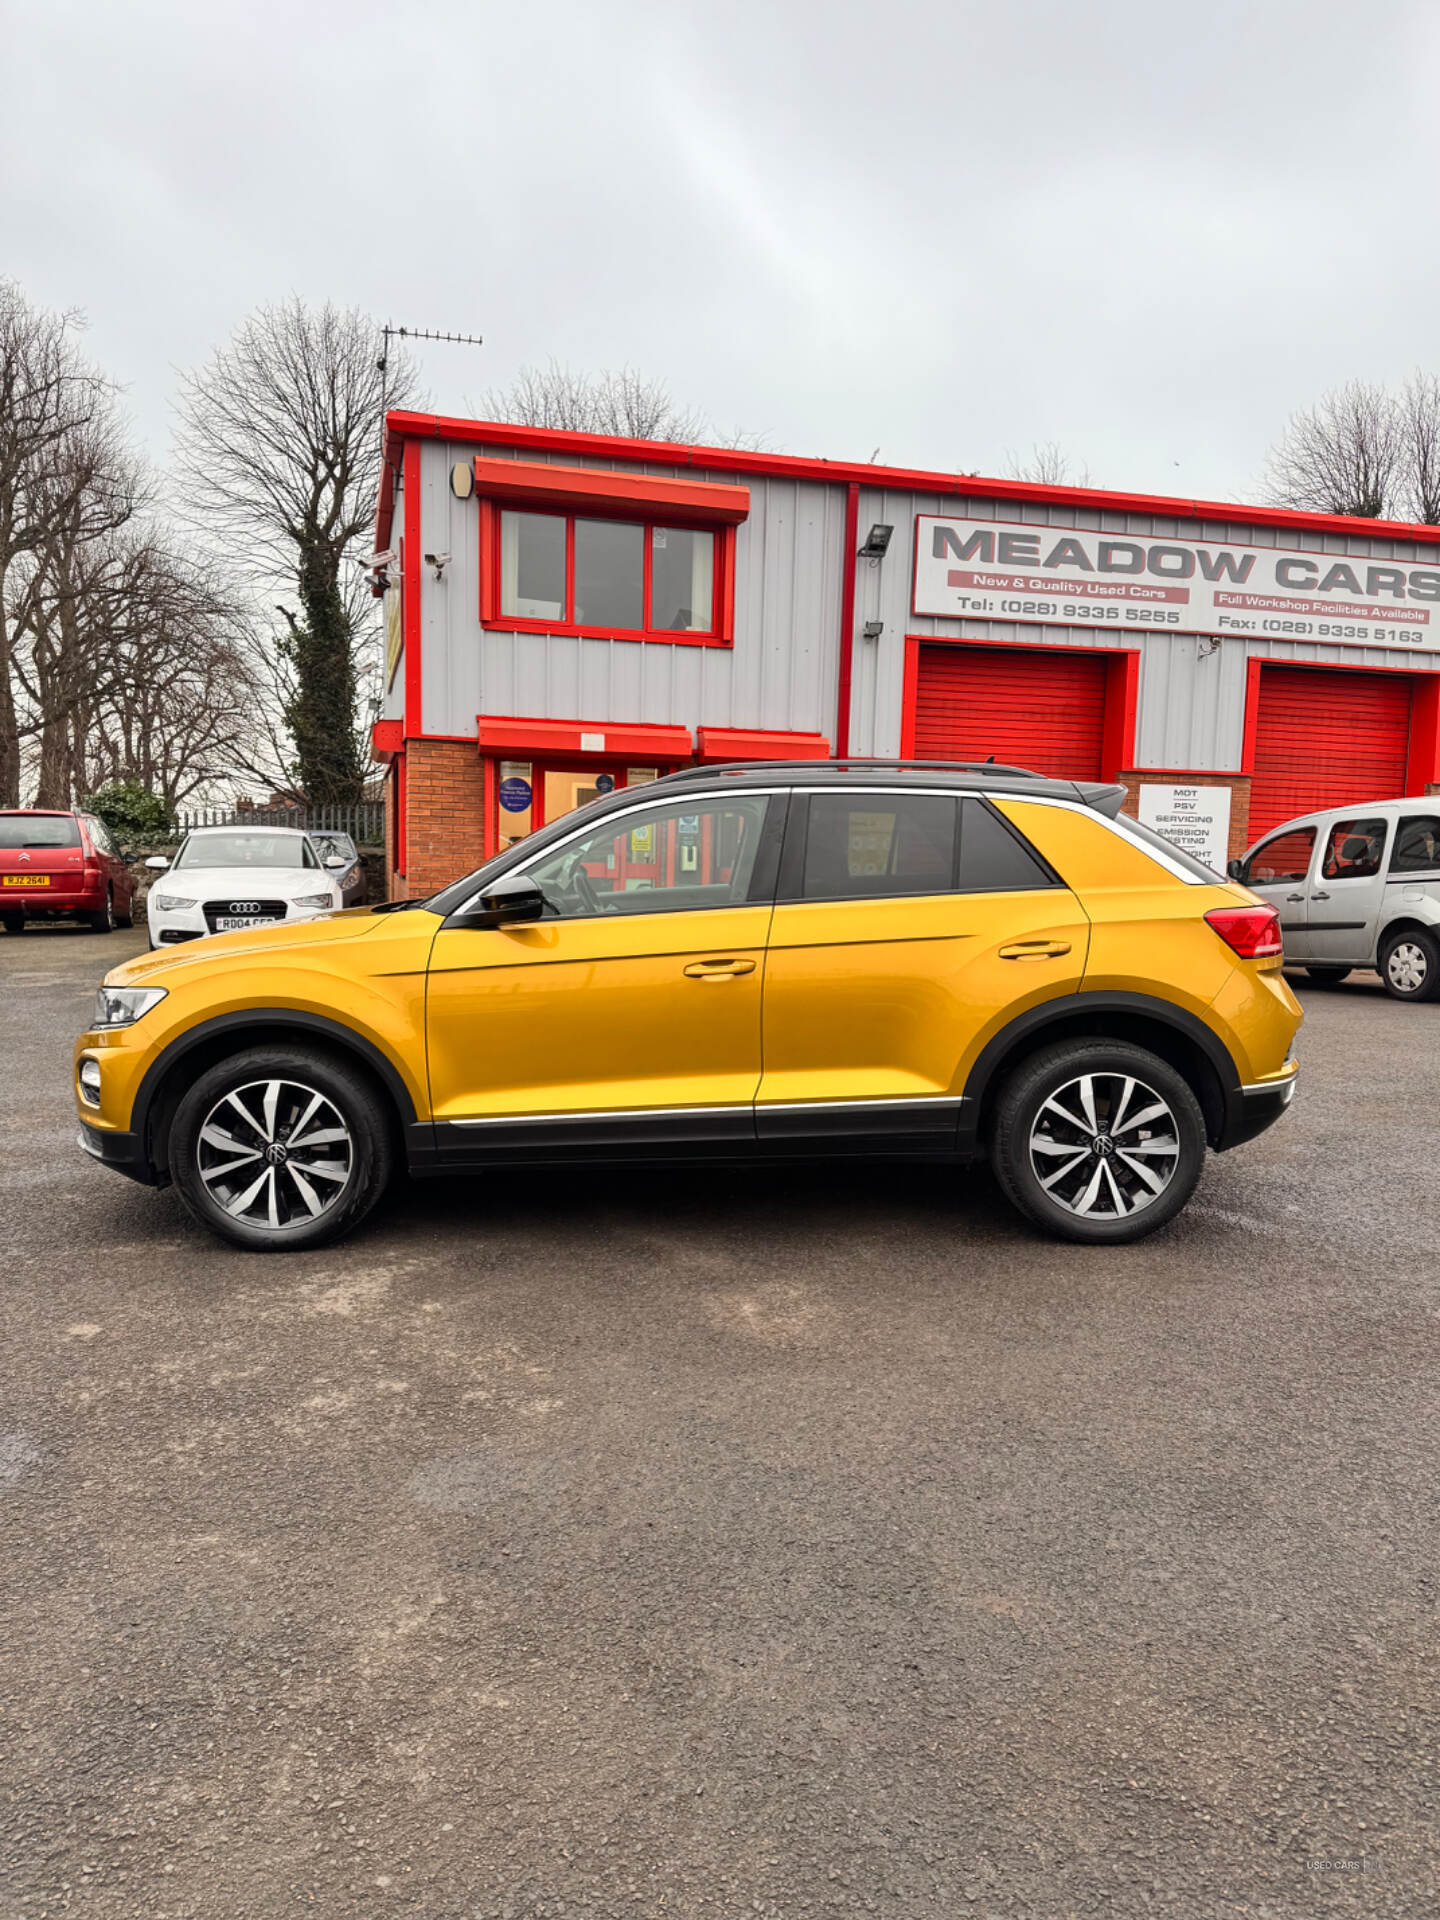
[1031,1025]
[267,1019]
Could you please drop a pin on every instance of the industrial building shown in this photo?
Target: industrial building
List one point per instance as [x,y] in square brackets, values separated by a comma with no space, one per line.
[567,613]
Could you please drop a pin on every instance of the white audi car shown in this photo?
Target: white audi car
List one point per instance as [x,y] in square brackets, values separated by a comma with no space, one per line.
[224,879]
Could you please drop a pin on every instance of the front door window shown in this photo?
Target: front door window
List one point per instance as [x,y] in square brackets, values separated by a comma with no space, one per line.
[680,857]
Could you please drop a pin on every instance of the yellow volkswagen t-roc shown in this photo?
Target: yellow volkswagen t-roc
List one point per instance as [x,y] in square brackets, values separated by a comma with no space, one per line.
[740,963]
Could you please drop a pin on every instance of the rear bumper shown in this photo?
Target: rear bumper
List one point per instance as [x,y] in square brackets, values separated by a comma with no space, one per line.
[35,900]
[121,1152]
[1250,1110]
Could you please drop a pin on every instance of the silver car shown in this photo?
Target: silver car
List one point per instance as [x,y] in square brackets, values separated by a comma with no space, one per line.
[1357,887]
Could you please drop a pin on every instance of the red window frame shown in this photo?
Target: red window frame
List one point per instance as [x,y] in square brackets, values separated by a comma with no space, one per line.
[722,615]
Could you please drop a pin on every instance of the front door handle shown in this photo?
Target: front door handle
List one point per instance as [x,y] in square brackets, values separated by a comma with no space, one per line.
[1295,898]
[718,969]
[1035,950]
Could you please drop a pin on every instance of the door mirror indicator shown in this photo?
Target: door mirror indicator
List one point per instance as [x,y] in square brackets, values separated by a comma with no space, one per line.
[511,899]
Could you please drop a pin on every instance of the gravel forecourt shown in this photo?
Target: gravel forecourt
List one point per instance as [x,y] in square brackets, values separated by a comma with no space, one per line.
[787,1542]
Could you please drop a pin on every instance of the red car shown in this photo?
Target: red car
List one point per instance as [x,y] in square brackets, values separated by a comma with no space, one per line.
[61,866]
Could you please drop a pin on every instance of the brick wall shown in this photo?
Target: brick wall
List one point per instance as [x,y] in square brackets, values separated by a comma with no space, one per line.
[444,815]
[1238,783]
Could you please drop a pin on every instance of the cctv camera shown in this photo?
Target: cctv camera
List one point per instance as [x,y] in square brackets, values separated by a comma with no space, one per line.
[379,561]
[439,561]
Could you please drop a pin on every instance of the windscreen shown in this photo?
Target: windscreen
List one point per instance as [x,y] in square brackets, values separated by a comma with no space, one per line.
[246,850]
[37,830]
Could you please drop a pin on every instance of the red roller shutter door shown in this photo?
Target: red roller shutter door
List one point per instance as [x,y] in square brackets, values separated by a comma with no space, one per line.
[1042,708]
[1326,740]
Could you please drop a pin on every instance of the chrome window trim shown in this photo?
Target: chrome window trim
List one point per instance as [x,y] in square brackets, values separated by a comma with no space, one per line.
[998,793]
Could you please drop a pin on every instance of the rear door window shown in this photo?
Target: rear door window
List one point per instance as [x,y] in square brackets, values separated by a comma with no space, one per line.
[867,846]
[1354,849]
[1285,858]
[1417,845]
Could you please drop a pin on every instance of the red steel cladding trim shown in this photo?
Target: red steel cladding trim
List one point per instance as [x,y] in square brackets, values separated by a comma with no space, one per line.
[636,495]
[387,737]
[1423,767]
[509,733]
[410,594]
[847,621]
[1122,708]
[904,479]
[910,695]
[740,743]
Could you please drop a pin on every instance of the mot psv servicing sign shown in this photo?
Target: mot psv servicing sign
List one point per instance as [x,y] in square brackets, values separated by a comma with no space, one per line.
[1059,576]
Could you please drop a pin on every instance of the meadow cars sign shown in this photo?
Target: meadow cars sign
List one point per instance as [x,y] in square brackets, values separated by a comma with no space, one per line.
[1060,576]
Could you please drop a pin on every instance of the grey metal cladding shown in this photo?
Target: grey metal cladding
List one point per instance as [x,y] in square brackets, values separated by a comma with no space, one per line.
[779,675]
[1191,699]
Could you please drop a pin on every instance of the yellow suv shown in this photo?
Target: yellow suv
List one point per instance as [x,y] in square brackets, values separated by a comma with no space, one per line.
[736,963]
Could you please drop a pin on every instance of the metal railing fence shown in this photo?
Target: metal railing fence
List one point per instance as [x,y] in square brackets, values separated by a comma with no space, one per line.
[364,821]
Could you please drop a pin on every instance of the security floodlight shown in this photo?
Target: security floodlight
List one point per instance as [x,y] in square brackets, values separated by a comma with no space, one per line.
[873,629]
[877,542]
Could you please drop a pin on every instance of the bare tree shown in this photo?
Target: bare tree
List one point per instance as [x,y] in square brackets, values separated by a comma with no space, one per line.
[1048,464]
[622,403]
[1346,455]
[48,395]
[1419,410]
[280,454]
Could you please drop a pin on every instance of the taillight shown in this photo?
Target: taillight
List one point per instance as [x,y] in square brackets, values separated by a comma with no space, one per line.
[1252,932]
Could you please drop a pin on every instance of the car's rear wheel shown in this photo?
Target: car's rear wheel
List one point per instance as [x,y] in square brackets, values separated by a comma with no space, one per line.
[1329,976]
[1098,1140]
[104,921]
[1410,964]
[279,1148]
[12,922]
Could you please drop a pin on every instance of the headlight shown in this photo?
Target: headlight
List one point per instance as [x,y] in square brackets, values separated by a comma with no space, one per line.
[313,900]
[169,902]
[123,1006]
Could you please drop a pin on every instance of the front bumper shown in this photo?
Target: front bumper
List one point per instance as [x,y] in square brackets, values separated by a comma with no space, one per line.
[121,1152]
[1250,1110]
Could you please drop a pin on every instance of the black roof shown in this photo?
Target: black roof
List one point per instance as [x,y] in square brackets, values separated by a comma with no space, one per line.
[965,776]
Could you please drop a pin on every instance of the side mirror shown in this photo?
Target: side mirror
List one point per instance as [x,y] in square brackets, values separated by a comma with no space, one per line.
[158,861]
[1235,869]
[335,863]
[507,901]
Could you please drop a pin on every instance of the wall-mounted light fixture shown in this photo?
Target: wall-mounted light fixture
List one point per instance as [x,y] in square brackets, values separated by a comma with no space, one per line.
[873,629]
[877,542]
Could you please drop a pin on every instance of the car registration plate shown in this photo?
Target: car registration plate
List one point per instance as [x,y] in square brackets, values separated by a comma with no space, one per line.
[233,923]
[26,879]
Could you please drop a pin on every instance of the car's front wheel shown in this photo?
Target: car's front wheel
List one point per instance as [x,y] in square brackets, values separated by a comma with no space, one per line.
[1097,1140]
[279,1148]
[1410,964]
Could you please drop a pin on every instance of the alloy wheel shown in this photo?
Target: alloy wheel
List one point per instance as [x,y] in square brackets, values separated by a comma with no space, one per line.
[274,1153]
[1104,1146]
[1406,966]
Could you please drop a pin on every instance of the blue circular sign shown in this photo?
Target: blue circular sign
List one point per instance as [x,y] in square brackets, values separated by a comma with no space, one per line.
[515,794]
[605,783]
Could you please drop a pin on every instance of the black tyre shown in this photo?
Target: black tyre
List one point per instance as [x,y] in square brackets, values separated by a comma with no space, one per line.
[279,1148]
[126,919]
[1410,964]
[12,922]
[1097,1140]
[1329,976]
[104,921]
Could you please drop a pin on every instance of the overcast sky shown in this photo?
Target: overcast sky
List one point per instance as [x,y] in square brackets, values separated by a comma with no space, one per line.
[945,230]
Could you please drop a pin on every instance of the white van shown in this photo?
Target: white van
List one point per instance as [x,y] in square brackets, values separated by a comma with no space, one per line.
[1357,887]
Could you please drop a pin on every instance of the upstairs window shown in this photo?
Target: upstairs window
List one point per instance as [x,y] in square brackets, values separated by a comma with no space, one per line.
[610,576]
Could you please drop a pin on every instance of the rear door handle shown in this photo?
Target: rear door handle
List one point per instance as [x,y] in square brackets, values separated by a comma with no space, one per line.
[1319,894]
[718,969]
[1035,950]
